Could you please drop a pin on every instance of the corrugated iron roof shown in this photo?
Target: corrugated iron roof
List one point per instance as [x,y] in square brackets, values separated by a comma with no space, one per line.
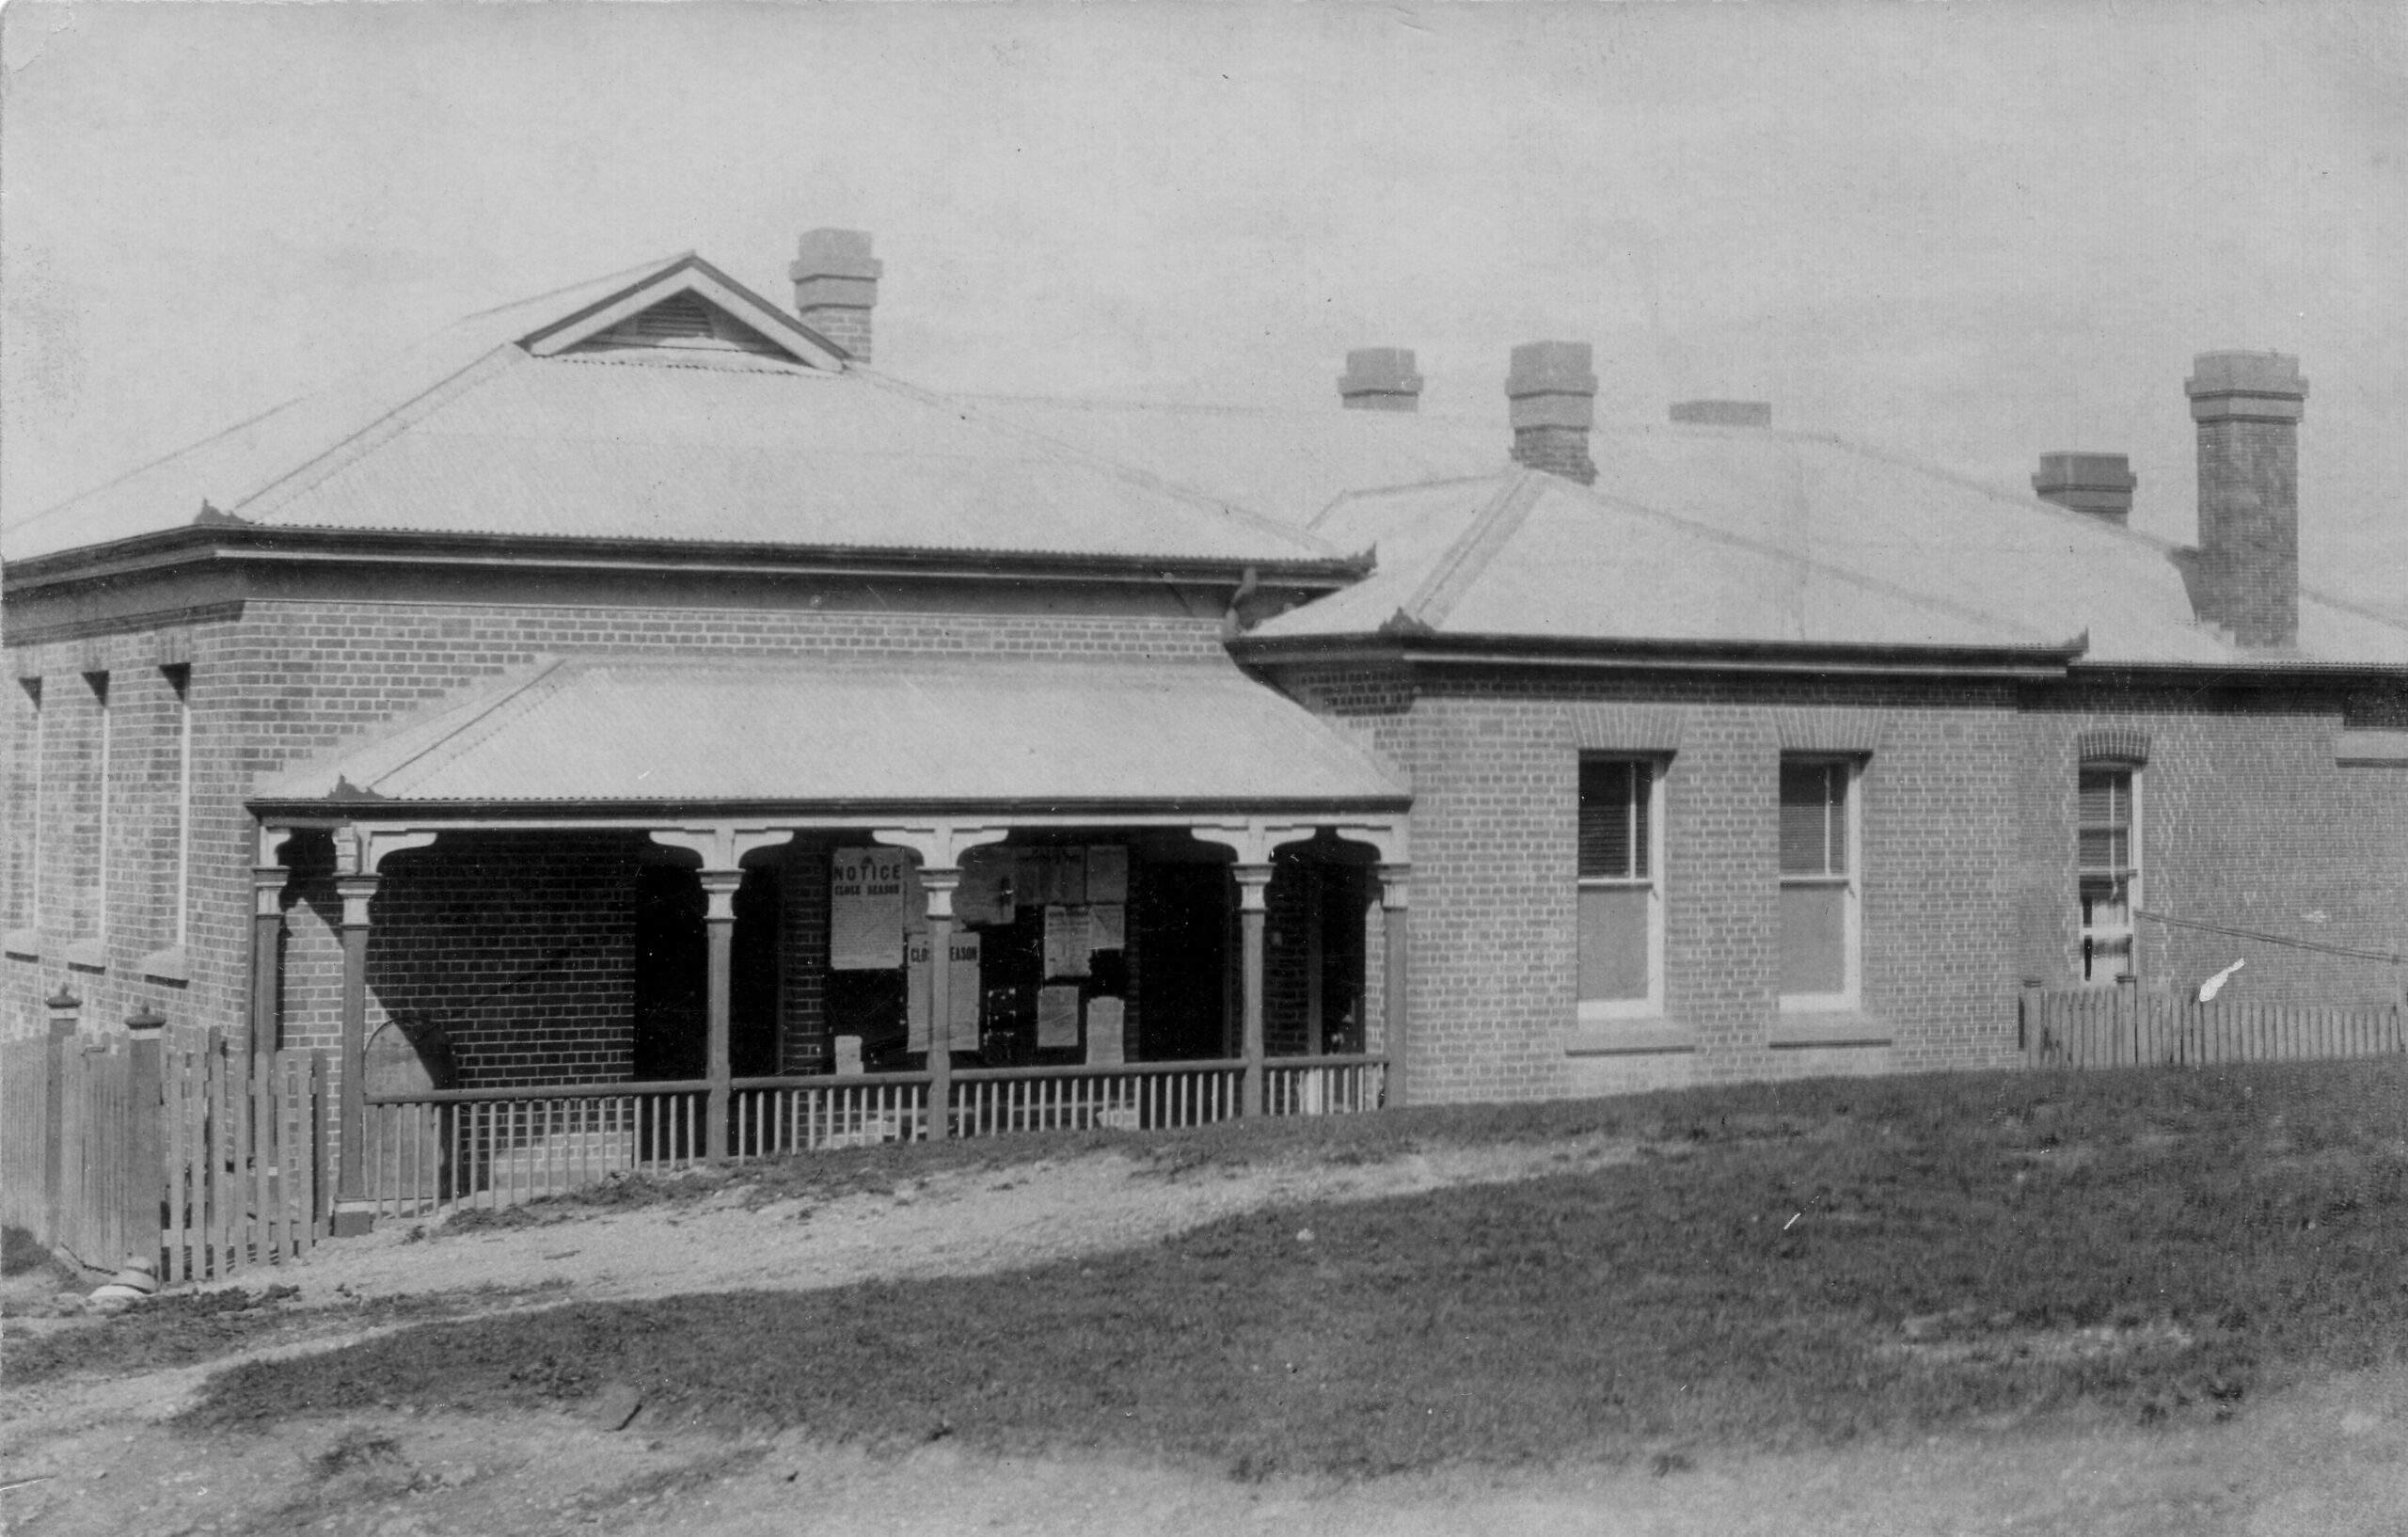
[471,433]
[1697,533]
[1006,732]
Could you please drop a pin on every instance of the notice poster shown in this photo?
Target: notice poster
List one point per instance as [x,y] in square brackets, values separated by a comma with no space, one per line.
[985,895]
[1057,1018]
[1108,927]
[865,908]
[1105,1017]
[1107,873]
[915,994]
[1066,941]
[961,1003]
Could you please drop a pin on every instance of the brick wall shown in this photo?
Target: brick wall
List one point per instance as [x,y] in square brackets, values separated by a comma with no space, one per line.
[1967,809]
[2249,528]
[276,682]
[519,945]
[2245,822]
[58,757]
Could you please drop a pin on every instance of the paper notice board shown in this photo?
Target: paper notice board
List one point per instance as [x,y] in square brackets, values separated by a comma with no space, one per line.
[962,1002]
[1057,1018]
[865,908]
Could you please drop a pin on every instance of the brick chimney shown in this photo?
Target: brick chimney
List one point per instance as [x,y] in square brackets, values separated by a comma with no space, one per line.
[1553,400]
[1380,379]
[2247,406]
[835,287]
[1723,413]
[2100,485]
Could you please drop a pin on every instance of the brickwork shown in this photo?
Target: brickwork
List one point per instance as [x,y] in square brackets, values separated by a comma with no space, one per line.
[1559,451]
[2245,822]
[1967,884]
[1966,805]
[2249,528]
[286,679]
[803,1043]
[519,945]
[60,756]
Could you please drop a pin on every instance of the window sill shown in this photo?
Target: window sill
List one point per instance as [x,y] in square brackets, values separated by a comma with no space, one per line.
[88,954]
[24,943]
[167,965]
[1650,1036]
[1834,1027]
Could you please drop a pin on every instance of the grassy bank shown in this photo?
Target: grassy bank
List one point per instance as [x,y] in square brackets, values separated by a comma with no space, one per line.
[1787,1265]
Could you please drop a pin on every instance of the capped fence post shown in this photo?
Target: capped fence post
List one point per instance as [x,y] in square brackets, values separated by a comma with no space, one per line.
[146,1167]
[66,1015]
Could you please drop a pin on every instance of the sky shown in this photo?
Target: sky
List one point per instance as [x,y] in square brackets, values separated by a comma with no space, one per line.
[1971,233]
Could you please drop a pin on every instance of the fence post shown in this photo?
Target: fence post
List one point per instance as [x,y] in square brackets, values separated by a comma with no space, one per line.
[2027,1021]
[66,1015]
[143,1195]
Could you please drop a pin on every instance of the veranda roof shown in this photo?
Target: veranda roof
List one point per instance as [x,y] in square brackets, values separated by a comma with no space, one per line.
[601,732]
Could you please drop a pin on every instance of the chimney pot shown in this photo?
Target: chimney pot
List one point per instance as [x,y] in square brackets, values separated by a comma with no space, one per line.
[2100,485]
[1723,413]
[1552,397]
[2248,406]
[835,287]
[1380,379]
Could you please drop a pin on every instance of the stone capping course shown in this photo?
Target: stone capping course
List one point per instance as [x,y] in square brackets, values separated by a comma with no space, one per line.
[1796,1031]
[1633,1038]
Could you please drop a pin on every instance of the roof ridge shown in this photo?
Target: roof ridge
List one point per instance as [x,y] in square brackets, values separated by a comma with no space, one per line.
[1490,530]
[1213,409]
[374,365]
[660,265]
[1432,483]
[1854,578]
[373,435]
[1220,506]
[475,713]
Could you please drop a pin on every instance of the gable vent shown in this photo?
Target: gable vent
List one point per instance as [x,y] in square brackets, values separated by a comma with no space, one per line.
[684,320]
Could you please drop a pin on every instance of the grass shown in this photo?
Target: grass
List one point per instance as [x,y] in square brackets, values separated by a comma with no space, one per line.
[1785,1265]
[184,1328]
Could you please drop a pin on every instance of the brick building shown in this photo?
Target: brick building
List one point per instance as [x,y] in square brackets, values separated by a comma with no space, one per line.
[546,697]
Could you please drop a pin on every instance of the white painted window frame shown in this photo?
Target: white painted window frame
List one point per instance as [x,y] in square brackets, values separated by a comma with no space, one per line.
[2136,861]
[1850,997]
[1599,1010]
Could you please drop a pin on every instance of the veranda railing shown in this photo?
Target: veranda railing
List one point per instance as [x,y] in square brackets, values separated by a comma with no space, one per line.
[442,1149]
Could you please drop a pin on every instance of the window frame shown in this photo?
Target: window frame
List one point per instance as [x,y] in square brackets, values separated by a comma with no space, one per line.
[2131,872]
[1650,1006]
[1850,881]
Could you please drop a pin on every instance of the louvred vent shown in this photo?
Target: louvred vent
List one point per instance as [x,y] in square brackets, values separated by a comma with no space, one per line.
[684,320]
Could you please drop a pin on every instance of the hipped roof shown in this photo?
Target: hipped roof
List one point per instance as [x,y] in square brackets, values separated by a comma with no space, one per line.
[599,732]
[525,421]
[1693,532]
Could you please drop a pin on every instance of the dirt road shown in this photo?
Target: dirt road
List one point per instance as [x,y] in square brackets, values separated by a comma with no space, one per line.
[83,1456]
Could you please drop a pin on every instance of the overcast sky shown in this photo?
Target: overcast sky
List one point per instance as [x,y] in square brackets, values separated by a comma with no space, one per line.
[1970,234]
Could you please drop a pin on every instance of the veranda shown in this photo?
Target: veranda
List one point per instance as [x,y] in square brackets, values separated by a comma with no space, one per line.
[734,992]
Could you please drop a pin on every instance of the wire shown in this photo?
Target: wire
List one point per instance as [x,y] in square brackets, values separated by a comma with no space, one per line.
[2272,939]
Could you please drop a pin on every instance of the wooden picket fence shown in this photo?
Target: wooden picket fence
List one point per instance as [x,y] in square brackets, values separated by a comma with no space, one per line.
[175,1149]
[247,1176]
[2122,1026]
